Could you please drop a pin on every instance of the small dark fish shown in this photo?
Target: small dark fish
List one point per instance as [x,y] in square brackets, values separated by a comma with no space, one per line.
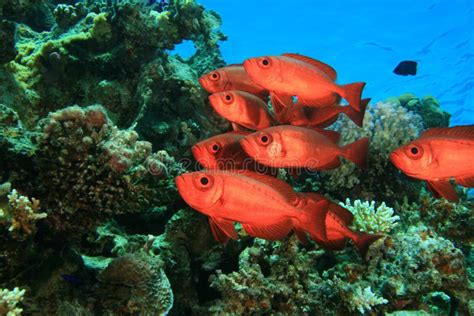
[406,67]
[71,279]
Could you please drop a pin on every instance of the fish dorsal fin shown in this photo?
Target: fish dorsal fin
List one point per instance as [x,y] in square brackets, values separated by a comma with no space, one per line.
[443,189]
[270,232]
[328,70]
[331,135]
[225,226]
[466,131]
[278,185]
[218,234]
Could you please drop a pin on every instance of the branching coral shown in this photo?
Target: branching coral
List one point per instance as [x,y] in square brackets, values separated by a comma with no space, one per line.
[371,220]
[9,301]
[20,213]
[364,299]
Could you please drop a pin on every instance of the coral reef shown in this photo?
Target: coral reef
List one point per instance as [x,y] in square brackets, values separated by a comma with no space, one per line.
[21,213]
[388,125]
[9,301]
[371,220]
[427,107]
[97,117]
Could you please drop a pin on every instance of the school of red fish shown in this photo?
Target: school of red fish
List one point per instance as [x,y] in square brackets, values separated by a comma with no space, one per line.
[278,107]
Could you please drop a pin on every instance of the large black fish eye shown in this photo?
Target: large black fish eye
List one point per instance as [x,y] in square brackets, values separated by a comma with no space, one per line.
[215,147]
[204,181]
[414,150]
[265,62]
[228,97]
[215,76]
[264,139]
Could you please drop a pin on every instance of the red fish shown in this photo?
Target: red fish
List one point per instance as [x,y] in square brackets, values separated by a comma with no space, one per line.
[310,80]
[438,155]
[266,207]
[287,146]
[242,108]
[232,77]
[338,220]
[300,115]
[223,152]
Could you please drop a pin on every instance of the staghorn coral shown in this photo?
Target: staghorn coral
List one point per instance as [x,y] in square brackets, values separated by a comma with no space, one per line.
[9,301]
[21,214]
[371,220]
[389,126]
[364,299]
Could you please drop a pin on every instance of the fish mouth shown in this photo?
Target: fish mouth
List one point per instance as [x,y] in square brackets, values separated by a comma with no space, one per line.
[247,65]
[196,152]
[395,159]
[180,183]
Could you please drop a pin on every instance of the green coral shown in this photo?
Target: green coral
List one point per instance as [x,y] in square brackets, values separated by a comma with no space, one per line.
[369,219]
[9,301]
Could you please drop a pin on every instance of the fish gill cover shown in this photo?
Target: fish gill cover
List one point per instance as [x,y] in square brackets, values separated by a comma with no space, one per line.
[98,117]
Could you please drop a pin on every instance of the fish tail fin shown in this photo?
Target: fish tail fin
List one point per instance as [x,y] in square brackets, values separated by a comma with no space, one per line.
[352,93]
[358,116]
[357,152]
[313,219]
[362,241]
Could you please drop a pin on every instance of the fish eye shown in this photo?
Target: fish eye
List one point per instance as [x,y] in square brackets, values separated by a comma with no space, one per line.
[264,139]
[204,181]
[215,148]
[228,98]
[264,62]
[414,152]
[214,76]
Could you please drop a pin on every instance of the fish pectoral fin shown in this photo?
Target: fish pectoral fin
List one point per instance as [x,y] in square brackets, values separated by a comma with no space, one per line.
[280,101]
[342,213]
[224,226]
[218,234]
[239,128]
[270,232]
[467,182]
[443,189]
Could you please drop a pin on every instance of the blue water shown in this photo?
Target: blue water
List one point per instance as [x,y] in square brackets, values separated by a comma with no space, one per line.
[365,42]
